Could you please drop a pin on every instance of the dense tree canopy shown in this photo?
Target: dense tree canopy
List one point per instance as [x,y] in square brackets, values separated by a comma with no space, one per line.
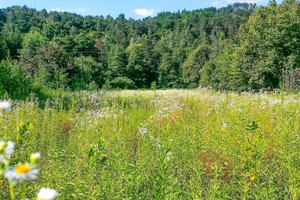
[233,48]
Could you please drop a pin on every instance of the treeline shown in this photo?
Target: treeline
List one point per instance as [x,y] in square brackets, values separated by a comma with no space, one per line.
[238,47]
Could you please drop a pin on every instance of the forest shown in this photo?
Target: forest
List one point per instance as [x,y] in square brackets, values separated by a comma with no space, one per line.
[240,47]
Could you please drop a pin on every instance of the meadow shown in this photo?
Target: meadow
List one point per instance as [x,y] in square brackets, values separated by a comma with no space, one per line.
[164,144]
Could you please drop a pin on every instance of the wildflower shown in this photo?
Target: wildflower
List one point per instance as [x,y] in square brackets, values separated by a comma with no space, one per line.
[21,172]
[169,155]
[9,149]
[142,131]
[46,194]
[6,149]
[35,157]
[5,105]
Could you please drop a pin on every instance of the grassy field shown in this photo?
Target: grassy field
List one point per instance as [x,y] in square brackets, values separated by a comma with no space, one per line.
[173,144]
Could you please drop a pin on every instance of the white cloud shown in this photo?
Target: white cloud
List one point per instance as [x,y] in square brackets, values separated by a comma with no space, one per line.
[216,3]
[219,3]
[81,10]
[144,12]
[58,9]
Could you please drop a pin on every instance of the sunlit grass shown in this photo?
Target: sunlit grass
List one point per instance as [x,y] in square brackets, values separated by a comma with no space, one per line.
[173,144]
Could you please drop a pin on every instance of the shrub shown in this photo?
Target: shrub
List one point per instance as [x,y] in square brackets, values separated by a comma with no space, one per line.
[122,83]
[14,80]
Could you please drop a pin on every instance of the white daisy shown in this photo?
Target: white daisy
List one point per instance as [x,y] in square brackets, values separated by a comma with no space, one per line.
[21,172]
[6,149]
[46,194]
[9,149]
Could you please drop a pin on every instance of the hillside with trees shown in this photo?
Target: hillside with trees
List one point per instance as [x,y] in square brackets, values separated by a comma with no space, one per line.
[238,47]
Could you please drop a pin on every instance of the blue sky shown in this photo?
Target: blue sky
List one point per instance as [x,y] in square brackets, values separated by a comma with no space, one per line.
[131,8]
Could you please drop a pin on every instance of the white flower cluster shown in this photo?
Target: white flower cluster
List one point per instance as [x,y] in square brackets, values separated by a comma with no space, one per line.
[5,105]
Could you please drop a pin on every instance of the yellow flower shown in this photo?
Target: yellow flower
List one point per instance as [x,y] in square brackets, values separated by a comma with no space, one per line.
[35,157]
[22,168]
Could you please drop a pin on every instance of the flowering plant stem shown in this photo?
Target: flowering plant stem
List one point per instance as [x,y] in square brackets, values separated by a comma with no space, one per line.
[11,188]
[23,190]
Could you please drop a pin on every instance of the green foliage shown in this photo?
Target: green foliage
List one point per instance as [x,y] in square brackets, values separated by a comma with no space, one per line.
[238,47]
[153,85]
[117,61]
[170,71]
[44,80]
[4,52]
[85,44]
[13,38]
[14,80]
[251,126]
[85,71]
[136,67]
[194,63]
[50,56]
[268,41]
[217,72]
[32,41]
[122,83]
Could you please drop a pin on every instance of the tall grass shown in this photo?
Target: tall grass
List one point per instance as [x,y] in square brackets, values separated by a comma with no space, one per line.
[173,144]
